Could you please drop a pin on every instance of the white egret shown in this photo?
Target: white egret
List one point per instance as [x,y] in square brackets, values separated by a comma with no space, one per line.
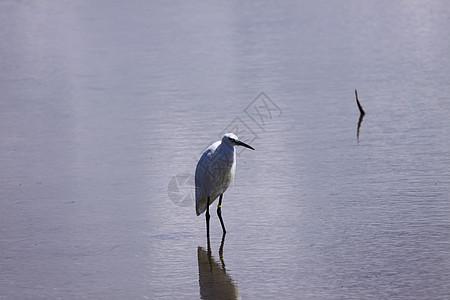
[214,173]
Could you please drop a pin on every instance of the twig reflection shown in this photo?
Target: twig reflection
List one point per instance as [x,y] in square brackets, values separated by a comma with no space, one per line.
[361,117]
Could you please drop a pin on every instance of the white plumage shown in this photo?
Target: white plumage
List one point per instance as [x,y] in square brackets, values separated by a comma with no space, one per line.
[215,172]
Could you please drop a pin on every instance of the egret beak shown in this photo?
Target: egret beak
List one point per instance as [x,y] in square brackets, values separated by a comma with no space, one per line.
[245,145]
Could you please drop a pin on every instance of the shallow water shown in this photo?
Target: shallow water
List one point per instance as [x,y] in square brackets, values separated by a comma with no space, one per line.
[105,110]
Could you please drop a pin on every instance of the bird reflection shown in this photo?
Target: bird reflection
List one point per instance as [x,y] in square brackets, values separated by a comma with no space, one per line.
[214,281]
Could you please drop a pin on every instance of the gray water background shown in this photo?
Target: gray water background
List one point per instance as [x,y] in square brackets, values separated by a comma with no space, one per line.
[103,103]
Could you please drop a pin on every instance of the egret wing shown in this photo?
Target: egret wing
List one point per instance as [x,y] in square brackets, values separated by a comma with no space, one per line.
[200,192]
[202,179]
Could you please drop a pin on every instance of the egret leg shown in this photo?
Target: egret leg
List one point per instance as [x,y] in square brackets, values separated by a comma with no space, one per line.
[221,251]
[219,213]
[207,219]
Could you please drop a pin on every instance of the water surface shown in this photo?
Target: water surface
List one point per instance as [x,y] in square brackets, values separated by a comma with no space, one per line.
[104,104]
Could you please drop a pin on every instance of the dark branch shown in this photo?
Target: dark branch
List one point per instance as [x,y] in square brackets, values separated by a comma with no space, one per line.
[361,110]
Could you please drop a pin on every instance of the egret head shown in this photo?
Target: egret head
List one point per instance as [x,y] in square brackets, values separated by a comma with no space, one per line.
[232,140]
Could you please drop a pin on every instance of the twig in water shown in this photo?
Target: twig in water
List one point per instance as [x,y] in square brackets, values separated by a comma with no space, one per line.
[361,116]
[361,110]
